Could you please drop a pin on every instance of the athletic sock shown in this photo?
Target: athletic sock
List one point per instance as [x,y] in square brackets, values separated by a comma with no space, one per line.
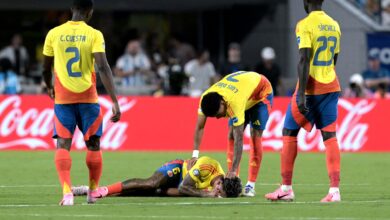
[289,153]
[286,188]
[333,161]
[94,163]
[251,184]
[255,156]
[334,190]
[63,163]
[114,188]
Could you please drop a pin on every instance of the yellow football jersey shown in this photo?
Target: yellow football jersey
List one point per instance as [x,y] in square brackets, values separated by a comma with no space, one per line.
[203,172]
[321,33]
[241,91]
[72,45]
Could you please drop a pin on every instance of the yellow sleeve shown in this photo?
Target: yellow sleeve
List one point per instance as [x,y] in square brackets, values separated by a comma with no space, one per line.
[237,114]
[303,36]
[337,50]
[195,173]
[48,46]
[99,45]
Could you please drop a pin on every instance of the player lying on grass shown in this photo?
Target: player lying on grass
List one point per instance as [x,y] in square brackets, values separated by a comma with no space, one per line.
[203,177]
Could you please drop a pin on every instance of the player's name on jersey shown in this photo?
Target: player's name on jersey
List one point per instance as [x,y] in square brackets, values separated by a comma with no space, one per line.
[227,86]
[73,38]
[326,27]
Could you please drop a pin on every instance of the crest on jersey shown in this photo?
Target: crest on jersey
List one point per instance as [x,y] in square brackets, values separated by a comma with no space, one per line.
[196,172]
[170,173]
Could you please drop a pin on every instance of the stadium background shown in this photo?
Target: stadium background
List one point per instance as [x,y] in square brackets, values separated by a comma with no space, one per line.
[163,126]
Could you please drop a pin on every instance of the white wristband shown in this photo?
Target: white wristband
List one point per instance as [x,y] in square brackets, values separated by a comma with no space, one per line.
[195,153]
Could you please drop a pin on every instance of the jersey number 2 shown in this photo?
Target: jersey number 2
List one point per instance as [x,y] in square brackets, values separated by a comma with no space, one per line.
[73,60]
[325,41]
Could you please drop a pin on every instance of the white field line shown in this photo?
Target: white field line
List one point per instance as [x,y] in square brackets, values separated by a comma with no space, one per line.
[178,217]
[259,184]
[227,203]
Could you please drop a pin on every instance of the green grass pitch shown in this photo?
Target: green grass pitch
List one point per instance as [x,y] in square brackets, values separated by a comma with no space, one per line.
[29,189]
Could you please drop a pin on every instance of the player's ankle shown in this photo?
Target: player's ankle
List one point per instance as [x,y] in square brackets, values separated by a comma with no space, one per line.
[251,184]
[286,188]
[334,190]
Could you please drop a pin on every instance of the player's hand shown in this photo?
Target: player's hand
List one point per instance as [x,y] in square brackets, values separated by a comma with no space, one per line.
[302,107]
[231,174]
[116,113]
[50,92]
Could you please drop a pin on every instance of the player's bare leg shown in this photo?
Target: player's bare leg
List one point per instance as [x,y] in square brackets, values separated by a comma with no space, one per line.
[255,157]
[333,166]
[94,163]
[63,163]
[288,155]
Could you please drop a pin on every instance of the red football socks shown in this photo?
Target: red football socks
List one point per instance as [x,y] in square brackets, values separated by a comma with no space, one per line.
[114,188]
[333,161]
[289,153]
[255,156]
[63,163]
[95,163]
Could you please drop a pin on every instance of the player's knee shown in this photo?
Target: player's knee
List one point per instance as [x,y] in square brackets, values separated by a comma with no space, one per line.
[152,184]
[256,132]
[327,135]
[291,133]
[93,144]
[63,143]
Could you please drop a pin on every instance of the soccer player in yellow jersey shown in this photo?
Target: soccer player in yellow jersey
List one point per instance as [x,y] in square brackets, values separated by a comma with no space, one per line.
[203,177]
[315,99]
[74,48]
[244,98]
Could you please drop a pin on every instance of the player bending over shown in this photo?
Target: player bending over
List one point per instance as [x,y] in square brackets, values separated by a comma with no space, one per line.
[74,48]
[315,100]
[244,98]
[203,177]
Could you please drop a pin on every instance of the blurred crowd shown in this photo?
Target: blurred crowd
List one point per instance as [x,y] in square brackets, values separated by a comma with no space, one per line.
[144,68]
[374,82]
[179,70]
[379,10]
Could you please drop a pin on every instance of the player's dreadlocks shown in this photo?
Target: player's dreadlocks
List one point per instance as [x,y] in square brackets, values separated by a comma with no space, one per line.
[83,5]
[210,104]
[232,187]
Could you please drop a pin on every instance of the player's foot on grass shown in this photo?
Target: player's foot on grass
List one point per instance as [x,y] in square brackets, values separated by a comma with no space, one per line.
[249,191]
[80,190]
[94,195]
[332,197]
[280,195]
[67,200]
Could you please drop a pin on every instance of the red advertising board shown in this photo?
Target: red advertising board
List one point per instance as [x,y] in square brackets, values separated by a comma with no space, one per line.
[167,124]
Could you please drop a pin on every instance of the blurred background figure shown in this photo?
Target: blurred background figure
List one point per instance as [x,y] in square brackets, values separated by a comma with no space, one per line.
[386,12]
[9,82]
[133,66]
[234,62]
[269,68]
[201,73]
[180,50]
[356,88]
[382,92]
[17,54]
[375,74]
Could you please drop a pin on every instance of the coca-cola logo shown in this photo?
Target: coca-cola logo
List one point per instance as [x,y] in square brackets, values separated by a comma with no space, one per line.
[351,132]
[33,126]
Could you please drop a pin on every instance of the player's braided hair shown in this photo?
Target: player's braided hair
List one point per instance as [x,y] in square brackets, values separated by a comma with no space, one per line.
[232,187]
[210,104]
[83,5]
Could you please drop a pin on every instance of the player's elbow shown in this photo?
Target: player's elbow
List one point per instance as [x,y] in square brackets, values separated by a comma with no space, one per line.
[102,68]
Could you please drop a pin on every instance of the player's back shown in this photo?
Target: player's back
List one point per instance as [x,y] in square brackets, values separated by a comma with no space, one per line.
[321,33]
[72,45]
[204,171]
